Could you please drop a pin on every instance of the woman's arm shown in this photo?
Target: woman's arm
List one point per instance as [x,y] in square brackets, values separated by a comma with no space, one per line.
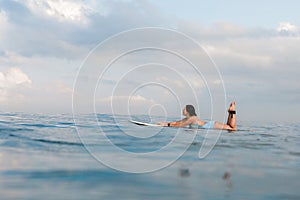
[171,123]
[181,123]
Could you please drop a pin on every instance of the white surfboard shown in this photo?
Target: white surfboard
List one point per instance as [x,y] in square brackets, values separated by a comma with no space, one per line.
[156,125]
[144,123]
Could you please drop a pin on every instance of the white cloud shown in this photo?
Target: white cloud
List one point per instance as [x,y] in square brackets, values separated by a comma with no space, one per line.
[63,10]
[10,80]
[13,77]
[287,27]
[70,25]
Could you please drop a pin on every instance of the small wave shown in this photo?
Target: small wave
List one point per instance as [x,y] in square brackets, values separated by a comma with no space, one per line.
[294,153]
[39,125]
[58,142]
[254,145]
[268,135]
[8,114]
[7,129]
[63,174]
[224,146]
[66,123]
[47,141]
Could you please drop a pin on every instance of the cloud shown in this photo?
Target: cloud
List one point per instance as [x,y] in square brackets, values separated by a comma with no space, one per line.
[234,56]
[13,77]
[57,35]
[134,99]
[180,84]
[287,27]
[3,22]
[69,11]
[220,31]
[135,104]
[60,87]
[10,81]
[257,65]
[63,28]
[242,51]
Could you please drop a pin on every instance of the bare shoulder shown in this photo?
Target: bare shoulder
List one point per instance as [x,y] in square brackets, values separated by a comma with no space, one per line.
[193,119]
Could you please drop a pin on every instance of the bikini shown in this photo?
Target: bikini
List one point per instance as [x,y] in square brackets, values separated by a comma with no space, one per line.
[210,124]
[207,125]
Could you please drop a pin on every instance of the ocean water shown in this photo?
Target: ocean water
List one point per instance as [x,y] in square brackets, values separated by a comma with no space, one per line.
[43,157]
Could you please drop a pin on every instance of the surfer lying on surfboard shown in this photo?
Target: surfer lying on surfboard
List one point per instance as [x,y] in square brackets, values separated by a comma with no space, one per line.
[193,121]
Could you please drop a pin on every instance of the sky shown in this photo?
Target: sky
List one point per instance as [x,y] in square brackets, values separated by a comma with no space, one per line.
[249,53]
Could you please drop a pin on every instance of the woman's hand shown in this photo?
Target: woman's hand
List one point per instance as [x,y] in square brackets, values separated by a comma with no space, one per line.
[163,123]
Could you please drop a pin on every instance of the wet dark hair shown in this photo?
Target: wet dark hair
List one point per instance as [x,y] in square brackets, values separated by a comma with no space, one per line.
[191,110]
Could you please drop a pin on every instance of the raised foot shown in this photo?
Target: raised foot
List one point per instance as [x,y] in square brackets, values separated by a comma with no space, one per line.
[232,106]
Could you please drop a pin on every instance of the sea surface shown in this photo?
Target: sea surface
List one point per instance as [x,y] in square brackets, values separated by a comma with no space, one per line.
[44,157]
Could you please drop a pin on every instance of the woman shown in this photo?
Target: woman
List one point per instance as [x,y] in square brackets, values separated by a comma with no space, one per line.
[193,121]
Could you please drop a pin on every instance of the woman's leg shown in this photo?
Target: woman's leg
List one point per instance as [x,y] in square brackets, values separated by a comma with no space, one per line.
[231,121]
[232,116]
[219,125]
